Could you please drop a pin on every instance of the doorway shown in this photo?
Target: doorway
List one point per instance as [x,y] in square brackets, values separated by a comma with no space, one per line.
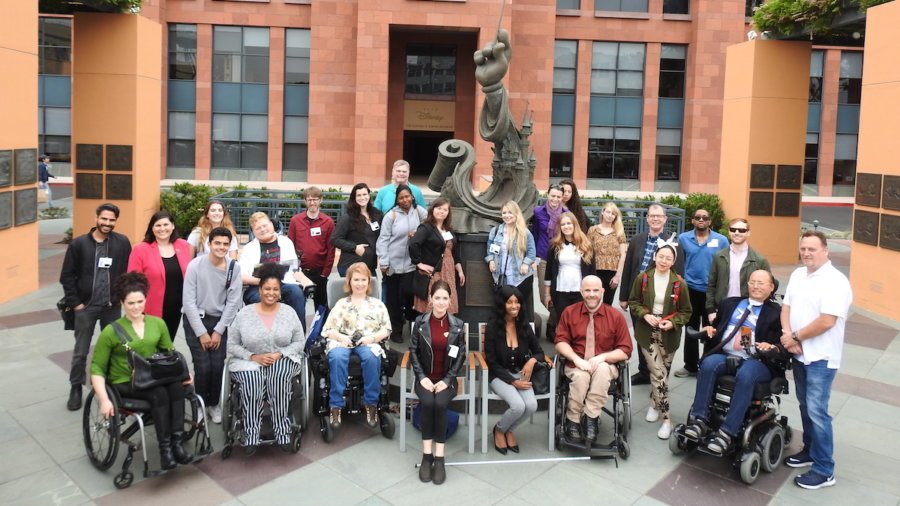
[420,149]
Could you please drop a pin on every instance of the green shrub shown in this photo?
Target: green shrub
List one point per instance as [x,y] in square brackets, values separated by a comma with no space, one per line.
[185,202]
[711,203]
[53,213]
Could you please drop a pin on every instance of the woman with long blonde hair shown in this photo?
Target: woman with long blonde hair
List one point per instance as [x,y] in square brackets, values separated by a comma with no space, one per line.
[214,215]
[569,260]
[609,243]
[511,254]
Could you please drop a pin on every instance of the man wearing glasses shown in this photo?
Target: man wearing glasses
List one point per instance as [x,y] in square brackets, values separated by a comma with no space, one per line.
[731,268]
[699,245]
[310,231]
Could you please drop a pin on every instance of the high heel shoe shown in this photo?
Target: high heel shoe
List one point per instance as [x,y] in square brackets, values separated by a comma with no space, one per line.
[512,447]
[501,449]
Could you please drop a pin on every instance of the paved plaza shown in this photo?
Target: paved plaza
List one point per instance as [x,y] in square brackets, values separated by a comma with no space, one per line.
[43,459]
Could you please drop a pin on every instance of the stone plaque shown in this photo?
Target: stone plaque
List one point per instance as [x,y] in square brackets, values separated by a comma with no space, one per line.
[890,232]
[6,161]
[787,204]
[865,227]
[118,157]
[88,186]
[789,177]
[118,187]
[762,176]
[89,156]
[761,203]
[890,193]
[26,206]
[480,290]
[6,210]
[868,190]
[26,166]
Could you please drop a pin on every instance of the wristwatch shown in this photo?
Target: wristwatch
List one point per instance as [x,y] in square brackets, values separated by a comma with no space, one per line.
[795,336]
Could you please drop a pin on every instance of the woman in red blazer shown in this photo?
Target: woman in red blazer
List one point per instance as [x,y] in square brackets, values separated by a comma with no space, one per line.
[163,258]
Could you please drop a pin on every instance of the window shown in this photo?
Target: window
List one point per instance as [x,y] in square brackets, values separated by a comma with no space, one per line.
[811,160]
[750,6]
[617,85]
[568,4]
[430,70]
[621,5]
[183,52]
[670,119]
[296,105]
[182,99]
[813,118]
[55,88]
[676,6]
[849,95]
[565,58]
[55,46]
[240,97]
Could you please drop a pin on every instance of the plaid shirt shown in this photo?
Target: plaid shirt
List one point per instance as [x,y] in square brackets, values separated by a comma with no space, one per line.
[649,251]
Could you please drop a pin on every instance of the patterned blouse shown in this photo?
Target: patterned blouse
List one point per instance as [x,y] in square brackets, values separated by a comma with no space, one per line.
[346,318]
[606,249]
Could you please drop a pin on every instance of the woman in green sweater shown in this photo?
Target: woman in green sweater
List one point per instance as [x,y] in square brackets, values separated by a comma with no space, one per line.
[148,335]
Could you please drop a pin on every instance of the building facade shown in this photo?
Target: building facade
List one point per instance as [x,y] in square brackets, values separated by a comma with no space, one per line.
[624,94]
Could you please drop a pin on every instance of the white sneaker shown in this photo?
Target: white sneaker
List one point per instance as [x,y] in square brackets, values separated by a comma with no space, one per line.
[215,413]
[665,430]
[652,414]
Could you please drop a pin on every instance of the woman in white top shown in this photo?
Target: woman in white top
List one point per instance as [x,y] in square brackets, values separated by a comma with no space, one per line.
[214,215]
[569,260]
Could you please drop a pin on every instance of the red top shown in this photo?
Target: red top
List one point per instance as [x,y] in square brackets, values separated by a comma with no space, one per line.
[145,258]
[317,250]
[440,329]
[610,330]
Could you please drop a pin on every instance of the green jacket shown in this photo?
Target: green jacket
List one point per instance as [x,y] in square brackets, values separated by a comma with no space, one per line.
[641,304]
[110,357]
[719,272]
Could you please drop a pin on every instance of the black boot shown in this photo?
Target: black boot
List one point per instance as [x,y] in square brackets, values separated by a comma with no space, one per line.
[74,403]
[425,467]
[439,474]
[166,459]
[591,429]
[178,451]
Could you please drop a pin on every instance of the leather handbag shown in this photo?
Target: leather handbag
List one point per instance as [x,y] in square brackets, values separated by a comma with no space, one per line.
[540,378]
[160,368]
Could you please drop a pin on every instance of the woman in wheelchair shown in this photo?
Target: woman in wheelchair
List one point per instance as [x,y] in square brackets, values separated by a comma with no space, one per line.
[511,351]
[356,325]
[265,347]
[149,335]
[746,323]
[437,350]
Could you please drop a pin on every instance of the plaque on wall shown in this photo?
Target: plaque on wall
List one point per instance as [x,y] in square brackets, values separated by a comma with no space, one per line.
[787,204]
[761,203]
[479,285]
[88,186]
[868,190]
[89,156]
[118,157]
[118,187]
[25,165]
[26,206]
[6,210]
[6,167]
[865,227]
[890,193]
[890,232]
[762,176]
[789,177]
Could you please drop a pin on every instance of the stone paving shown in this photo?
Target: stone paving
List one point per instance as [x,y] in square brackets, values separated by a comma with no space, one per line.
[43,458]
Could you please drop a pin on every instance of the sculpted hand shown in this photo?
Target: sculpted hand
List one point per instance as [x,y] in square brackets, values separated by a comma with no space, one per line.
[492,62]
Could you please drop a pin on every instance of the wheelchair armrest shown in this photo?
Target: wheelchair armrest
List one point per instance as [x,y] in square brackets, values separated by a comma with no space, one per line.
[404,362]
[476,360]
[549,361]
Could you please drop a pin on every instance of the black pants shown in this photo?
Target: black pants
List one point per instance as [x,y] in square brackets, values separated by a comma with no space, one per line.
[527,289]
[167,409]
[698,319]
[561,300]
[321,282]
[208,364]
[642,362]
[434,412]
[172,317]
[398,299]
[608,293]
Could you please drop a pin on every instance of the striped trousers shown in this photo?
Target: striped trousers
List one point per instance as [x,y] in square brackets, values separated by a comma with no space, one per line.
[272,383]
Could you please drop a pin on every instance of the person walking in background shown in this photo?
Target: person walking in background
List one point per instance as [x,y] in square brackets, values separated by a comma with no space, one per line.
[44,176]
[610,245]
[311,232]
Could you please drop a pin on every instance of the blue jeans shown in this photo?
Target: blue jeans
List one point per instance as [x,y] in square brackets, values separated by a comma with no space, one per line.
[292,295]
[750,372]
[813,384]
[338,362]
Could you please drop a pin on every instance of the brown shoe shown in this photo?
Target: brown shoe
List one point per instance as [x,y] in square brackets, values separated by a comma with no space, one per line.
[371,416]
[335,418]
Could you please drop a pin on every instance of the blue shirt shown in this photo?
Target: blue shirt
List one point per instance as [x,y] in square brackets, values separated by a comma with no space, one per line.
[387,197]
[698,257]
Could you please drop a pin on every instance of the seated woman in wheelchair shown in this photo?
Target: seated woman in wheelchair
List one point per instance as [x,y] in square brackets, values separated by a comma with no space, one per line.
[747,325]
[356,325]
[148,335]
[265,348]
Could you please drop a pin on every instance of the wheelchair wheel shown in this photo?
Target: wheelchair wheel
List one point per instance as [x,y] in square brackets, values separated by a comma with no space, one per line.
[327,430]
[295,441]
[101,435]
[226,452]
[123,480]
[624,449]
[676,447]
[772,448]
[305,399]
[386,421]
[750,467]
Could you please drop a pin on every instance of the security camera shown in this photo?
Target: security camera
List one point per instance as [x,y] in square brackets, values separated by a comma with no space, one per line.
[751,35]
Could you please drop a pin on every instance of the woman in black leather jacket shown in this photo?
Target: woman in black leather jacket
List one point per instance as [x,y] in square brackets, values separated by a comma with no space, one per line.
[437,351]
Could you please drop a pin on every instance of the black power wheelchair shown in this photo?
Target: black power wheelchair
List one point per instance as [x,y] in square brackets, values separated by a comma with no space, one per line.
[619,412]
[103,435]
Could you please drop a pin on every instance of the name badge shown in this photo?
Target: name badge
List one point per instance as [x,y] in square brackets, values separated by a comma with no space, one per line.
[713,243]
[315,231]
[495,249]
[453,351]
[374,226]
[104,262]
[447,235]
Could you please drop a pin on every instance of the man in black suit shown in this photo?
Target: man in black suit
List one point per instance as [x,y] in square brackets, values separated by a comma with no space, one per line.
[752,323]
[639,258]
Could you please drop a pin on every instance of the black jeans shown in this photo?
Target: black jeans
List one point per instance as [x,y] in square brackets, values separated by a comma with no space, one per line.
[609,294]
[321,282]
[434,411]
[398,299]
[561,300]
[208,364]
[698,318]
[85,322]
[167,409]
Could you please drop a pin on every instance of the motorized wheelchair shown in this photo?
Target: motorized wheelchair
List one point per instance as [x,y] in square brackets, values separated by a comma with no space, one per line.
[620,412]
[764,434]
[103,435]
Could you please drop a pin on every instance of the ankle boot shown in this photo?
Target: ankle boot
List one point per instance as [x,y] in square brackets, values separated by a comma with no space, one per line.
[74,402]
[439,474]
[425,468]
[166,459]
[178,452]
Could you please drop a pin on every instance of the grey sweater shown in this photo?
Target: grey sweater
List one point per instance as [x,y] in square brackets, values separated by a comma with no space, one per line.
[393,240]
[248,336]
[204,291]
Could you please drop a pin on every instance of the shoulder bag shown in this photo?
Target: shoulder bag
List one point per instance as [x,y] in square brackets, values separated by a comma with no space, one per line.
[160,368]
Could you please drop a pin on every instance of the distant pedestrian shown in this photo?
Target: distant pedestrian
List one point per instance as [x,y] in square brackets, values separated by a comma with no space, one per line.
[44,176]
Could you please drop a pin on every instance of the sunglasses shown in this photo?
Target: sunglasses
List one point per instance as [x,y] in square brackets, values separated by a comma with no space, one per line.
[701,218]
[738,230]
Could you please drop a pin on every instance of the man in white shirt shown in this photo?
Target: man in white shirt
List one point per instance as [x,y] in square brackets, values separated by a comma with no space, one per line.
[816,303]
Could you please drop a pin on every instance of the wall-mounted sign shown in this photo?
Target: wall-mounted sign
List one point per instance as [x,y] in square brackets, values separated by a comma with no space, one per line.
[429,115]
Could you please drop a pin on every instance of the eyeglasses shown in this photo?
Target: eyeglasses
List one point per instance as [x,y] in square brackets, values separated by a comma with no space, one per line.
[738,230]
[757,283]
[656,215]
[701,218]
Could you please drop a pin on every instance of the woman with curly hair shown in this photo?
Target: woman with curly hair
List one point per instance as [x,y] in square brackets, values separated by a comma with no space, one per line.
[214,215]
